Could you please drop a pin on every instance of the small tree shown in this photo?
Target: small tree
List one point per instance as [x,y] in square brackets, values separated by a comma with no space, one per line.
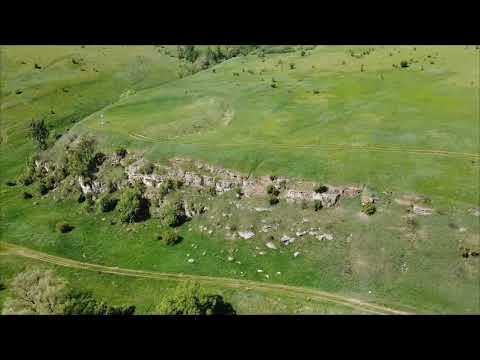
[81,159]
[132,206]
[173,214]
[36,292]
[39,133]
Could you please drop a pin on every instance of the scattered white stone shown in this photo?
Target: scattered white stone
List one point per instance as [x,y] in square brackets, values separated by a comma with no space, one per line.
[191,261]
[263,209]
[287,240]
[305,220]
[296,253]
[462,229]
[261,253]
[476,213]
[325,237]
[204,253]
[369,291]
[279,273]
[210,231]
[271,245]
[230,258]
[300,233]
[267,276]
[188,255]
[246,234]
[238,262]
[260,271]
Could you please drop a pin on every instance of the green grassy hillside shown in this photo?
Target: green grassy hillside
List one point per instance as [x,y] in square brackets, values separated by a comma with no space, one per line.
[321,113]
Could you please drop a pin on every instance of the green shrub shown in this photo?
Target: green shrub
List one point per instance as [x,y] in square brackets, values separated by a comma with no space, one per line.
[273,85]
[106,203]
[39,133]
[211,191]
[64,227]
[303,53]
[317,205]
[27,195]
[273,177]
[404,63]
[273,200]
[10,183]
[26,178]
[270,189]
[173,214]
[316,92]
[292,66]
[42,189]
[121,152]
[132,206]
[369,209]
[169,237]
[81,198]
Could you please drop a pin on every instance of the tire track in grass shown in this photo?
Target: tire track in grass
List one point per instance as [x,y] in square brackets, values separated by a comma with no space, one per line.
[336,147]
[294,291]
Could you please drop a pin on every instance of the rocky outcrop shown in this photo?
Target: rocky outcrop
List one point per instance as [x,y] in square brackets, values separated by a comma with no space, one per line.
[328,199]
[422,210]
[94,187]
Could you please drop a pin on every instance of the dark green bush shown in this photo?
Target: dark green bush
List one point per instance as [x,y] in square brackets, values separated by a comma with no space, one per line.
[81,198]
[317,205]
[10,183]
[369,209]
[404,64]
[27,195]
[273,200]
[64,227]
[169,237]
[106,203]
[42,189]
[321,189]
[270,189]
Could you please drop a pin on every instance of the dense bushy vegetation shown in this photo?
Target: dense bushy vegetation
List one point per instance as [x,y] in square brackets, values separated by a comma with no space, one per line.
[173,213]
[133,206]
[81,157]
[84,303]
[189,299]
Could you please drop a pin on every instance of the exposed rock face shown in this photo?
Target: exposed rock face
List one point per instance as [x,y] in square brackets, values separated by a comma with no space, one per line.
[328,199]
[94,187]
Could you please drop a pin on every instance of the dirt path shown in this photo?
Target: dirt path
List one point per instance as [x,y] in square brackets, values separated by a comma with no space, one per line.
[335,147]
[294,291]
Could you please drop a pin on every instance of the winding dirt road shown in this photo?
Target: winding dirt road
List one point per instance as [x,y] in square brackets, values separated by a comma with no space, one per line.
[294,291]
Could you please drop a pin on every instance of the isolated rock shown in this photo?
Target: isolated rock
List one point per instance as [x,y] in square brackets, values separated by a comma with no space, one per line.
[286,240]
[325,237]
[422,210]
[246,234]
[271,245]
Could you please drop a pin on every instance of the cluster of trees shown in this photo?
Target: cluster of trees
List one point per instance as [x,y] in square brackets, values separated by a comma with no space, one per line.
[42,292]
[133,206]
